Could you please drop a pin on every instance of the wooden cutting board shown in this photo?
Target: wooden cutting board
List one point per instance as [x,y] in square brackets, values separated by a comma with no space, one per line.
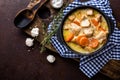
[45,15]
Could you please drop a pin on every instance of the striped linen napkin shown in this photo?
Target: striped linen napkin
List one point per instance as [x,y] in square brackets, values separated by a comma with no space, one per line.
[90,65]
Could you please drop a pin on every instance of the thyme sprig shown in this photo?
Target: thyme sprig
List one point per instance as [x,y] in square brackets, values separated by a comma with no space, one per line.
[54,28]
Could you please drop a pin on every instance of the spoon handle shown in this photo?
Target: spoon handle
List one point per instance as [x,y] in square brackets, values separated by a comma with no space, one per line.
[34,5]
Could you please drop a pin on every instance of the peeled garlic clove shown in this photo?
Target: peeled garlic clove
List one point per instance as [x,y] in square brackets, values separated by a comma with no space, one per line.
[35,32]
[29,42]
[57,3]
[51,58]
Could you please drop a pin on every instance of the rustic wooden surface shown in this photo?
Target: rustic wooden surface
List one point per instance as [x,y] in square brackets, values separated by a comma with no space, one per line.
[111,69]
[18,62]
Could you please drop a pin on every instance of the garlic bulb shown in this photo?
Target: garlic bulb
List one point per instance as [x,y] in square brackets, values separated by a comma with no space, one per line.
[29,42]
[35,32]
[57,3]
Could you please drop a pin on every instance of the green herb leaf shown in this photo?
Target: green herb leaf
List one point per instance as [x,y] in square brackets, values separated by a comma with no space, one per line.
[46,40]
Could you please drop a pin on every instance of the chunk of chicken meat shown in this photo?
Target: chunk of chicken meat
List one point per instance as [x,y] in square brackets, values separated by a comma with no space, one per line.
[89,12]
[85,23]
[88,31]
[81,33]
[101,36]
[67,26]
[75,28]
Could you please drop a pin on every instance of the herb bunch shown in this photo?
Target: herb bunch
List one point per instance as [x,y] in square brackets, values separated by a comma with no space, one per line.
[54,28]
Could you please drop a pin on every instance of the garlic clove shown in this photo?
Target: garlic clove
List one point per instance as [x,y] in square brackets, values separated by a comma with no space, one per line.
[29,42]
[50,58]
[35,32]
[57,3]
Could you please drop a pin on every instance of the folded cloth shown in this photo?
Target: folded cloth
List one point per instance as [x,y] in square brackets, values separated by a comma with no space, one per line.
[90,65]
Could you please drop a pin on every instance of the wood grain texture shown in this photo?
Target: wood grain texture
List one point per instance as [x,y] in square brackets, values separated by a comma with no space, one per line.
[19,62]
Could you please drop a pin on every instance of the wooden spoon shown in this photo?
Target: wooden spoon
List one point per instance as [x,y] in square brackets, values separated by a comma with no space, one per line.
[25,16]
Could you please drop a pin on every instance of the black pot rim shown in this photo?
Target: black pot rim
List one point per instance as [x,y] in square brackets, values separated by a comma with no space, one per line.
[60,30]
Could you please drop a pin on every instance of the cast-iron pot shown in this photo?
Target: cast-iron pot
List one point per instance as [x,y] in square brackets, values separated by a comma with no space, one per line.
[60,29]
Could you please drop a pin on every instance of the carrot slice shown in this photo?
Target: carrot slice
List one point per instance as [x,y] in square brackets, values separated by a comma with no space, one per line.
[69,36]
[78,39]
[84,41]
[77,21]
[94,43]
[95,22]
[101,29]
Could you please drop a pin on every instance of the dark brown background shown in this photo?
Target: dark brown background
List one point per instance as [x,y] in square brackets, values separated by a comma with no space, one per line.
[18,63]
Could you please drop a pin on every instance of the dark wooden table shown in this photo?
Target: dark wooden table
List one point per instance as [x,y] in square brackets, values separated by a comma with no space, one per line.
[18,62]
